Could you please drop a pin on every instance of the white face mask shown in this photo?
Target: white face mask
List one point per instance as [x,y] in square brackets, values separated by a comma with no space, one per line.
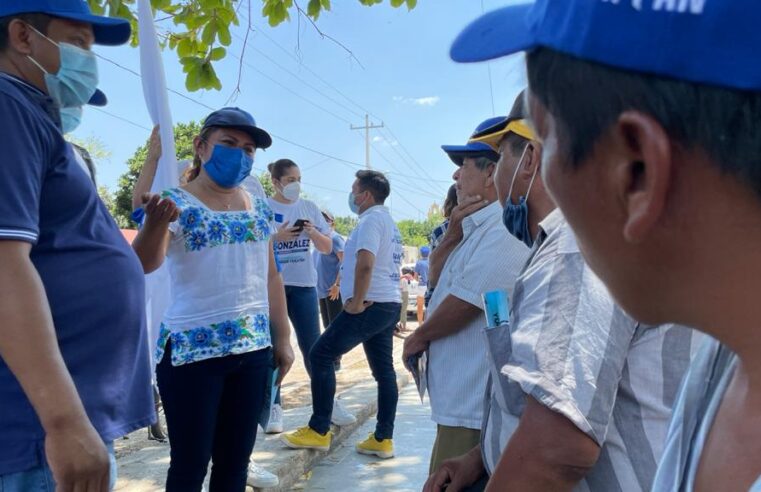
[292,191]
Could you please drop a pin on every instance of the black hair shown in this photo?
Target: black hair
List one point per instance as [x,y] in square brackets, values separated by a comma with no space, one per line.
[586,98]
[451,201]
[376,183]
[37,21]
[194,169]
[278,168]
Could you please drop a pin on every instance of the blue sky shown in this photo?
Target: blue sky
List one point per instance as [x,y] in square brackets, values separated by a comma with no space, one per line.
[406,80]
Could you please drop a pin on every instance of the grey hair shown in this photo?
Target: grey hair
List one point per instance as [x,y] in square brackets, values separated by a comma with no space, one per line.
[483,163]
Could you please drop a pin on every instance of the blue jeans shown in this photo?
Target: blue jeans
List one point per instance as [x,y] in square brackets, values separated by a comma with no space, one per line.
[40,479]
[374,329]
[304,313]
[209,406]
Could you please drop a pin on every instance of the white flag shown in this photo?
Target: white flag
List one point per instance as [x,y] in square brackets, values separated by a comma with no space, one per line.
[157,288]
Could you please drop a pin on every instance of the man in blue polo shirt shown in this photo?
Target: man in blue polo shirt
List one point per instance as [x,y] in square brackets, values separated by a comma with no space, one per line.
[74,369]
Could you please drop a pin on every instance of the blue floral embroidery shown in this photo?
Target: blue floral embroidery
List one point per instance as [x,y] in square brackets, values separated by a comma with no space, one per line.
[201,227]
[229,332]
[197,241]
[201,338]
[238,231]
[237,336]
[216,230]
[190,218]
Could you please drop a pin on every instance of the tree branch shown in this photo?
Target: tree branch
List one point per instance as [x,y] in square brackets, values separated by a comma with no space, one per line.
[236,92]
[326,36]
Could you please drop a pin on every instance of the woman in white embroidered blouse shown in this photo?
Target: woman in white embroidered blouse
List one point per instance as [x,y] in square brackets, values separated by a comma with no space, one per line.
[215,349]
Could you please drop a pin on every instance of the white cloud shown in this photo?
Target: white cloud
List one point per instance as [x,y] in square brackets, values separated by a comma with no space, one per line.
[384,142]
[418,101]
[426,101]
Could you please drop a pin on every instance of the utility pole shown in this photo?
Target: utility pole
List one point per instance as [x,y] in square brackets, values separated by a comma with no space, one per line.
[367,129]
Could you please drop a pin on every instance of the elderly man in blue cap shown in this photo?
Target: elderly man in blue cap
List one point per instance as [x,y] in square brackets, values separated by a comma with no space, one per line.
[74,369]
[476,255]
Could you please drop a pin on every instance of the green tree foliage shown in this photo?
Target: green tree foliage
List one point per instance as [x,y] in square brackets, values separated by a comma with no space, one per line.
[201,33]
[183,141]
[416,233]
[344,225]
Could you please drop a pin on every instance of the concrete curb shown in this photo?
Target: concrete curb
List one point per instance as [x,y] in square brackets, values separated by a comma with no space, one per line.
[360,399]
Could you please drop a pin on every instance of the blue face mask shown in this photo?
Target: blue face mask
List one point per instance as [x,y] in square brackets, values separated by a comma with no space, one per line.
[228,166]
[71,118]
[352,203]
[515,216]
[77,77]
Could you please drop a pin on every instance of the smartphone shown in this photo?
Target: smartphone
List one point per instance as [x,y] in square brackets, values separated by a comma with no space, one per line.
[299,224]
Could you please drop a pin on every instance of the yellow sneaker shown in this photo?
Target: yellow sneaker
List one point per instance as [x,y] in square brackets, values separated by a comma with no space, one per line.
[382,449]
[307,438]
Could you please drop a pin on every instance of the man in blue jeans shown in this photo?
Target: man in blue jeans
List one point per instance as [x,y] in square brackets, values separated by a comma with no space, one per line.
[370,285]
[74,368]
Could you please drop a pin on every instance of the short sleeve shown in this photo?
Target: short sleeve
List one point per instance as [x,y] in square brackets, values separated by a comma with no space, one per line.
[498,254]
[570,342]
[338,243]
[22,171]
[173,194]
[369,233]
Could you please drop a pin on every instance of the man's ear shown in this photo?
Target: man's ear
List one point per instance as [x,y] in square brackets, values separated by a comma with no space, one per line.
[491,174]
[19,37]
[531,161]
[641,173]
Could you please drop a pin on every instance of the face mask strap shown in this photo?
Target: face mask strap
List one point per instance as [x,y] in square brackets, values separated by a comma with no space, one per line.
[515,174]
[531,183]
[47,39]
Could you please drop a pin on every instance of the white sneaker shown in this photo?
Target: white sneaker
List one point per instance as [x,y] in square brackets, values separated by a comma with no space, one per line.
[260,478]
[341,416]
[275,425]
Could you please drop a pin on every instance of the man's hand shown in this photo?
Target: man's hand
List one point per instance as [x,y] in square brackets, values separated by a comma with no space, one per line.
[467,206]
[457,473]
[334,292]
[353,306]
[283,355]
[286,233]
[413,345]
[159,212]
[77,457]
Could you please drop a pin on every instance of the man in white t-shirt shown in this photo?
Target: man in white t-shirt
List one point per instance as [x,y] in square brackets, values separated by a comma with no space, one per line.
[370,287]
[480,256]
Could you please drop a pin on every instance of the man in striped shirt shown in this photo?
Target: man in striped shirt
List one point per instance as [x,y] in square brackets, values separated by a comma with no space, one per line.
[579,394]
[483,257]
[650,112]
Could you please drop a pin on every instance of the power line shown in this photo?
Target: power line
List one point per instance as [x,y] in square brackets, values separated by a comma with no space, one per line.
[488,68]
[346,162]
[297,77]
[342,94]
[121,118]
[279,84]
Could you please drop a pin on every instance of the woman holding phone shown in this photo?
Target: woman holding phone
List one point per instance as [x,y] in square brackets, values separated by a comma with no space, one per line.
[300,225]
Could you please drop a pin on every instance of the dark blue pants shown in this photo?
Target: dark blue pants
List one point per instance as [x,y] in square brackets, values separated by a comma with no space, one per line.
[304,313]
[374,329]
[209,407]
